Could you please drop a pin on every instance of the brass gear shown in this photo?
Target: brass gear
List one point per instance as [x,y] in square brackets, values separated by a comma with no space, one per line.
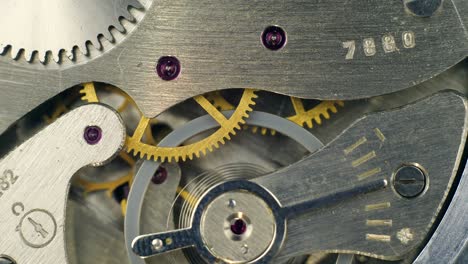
[301,117]
[309,117]
[218,101]
[227,128]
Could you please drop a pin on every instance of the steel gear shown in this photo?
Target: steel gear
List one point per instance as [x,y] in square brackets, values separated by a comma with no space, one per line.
[228,127]
[52,26]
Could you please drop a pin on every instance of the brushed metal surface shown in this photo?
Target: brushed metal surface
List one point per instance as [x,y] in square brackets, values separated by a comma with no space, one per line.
[52,26]
[449,243]
[216,232]
[430,133]
[218,44]
[36,176]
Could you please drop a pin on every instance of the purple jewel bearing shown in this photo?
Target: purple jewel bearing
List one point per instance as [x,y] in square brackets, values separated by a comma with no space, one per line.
[92,135]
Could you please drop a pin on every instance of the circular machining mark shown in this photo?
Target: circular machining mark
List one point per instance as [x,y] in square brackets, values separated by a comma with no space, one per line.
[37,228]
[254,226]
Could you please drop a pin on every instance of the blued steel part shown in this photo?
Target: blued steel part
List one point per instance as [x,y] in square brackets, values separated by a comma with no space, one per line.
[181,238]
[372,148]
[143,176]
[449,243]
[194,231]
[34,181]
[314,56]
[423,8]
[194,237]
[333,197]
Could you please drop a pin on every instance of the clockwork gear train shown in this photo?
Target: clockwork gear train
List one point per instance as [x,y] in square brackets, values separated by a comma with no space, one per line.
[298,132]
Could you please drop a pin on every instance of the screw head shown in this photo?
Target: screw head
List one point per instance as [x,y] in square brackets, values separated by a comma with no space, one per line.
[232,203]
[274,38]
[410,181]
[422,8]
[159,176]
[245,249]
[157,244]
[168,68]
[92,135]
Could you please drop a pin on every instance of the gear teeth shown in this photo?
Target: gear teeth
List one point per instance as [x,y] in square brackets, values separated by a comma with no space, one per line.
[199,148]
[316,114]
[127,15]
[55,56]
[28,55]
[46,56]
[108,35]
[15,53]
[70,54]
[118,26]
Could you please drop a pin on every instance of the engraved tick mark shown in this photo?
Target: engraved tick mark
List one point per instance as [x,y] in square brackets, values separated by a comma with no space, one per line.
[378,206]
[38,228]
[369,173]
[363,159]
[355,145]
[387,222]
[380,238]
[379,134]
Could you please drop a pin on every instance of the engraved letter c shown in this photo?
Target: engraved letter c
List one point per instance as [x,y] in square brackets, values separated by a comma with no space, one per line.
[17,208]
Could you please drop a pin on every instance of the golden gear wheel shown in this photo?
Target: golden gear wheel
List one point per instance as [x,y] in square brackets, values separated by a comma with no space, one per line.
[218,101]
[301,117]
[308,117]
[227,128]
[151,151]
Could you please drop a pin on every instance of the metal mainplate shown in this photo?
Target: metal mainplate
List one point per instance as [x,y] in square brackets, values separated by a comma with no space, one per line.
[218,44]
[430,133]
[35,178]
[329,187]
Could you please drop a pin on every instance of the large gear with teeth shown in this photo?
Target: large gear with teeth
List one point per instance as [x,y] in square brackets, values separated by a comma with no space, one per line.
[46,27]
[228,127]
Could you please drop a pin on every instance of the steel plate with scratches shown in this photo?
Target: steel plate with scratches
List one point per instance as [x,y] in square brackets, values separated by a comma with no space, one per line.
[383,222]
[237,132]
[36,177]
[218,44]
